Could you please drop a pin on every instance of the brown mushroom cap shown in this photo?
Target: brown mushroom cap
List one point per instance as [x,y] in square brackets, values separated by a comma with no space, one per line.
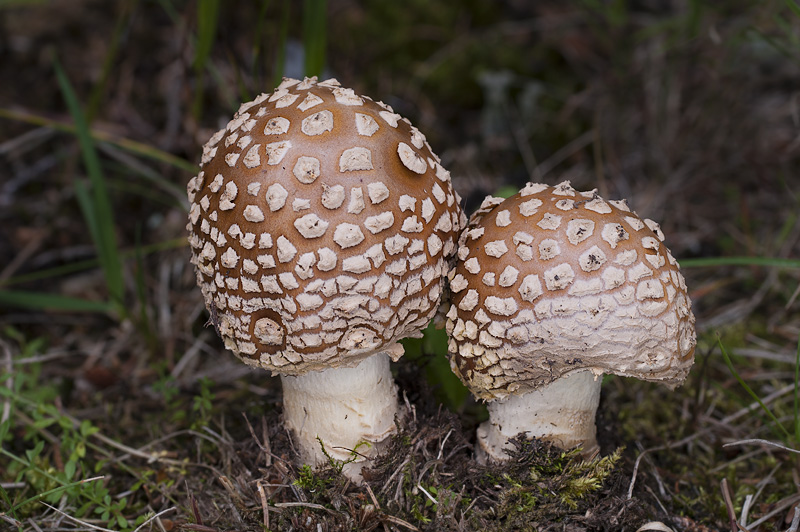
[552,281]
[321,228]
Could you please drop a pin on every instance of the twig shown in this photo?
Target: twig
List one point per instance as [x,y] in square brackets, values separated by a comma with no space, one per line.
[660,483]
[372,496]
[232,491]
[795,520]
[7,361]
[655,526]
[475,500]
[726,495]
[267,445]
[428,495]
[190,354]
[762,484]
[76,520]
[154,517]
[428,465]
[396,471]
[264,505]
[198,519]
[636,466]
[441,447]
[748,501]
[762,442]
[399,522]
[303,505]
[658,501]
[9,519]
[779,508]
[792,300]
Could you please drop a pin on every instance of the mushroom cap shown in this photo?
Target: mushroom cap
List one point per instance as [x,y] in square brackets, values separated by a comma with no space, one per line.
[322,227]
[552,281]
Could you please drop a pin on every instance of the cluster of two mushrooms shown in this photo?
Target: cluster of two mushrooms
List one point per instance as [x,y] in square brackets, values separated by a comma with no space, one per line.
[323,229]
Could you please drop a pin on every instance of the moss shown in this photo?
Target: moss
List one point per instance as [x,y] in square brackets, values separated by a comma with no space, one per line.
[544,482]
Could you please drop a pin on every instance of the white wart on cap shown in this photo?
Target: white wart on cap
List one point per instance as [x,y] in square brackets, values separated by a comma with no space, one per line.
[551,282]
[321,228]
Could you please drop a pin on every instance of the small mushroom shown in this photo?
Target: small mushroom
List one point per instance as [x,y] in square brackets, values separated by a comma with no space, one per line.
[552,289]
[322,227]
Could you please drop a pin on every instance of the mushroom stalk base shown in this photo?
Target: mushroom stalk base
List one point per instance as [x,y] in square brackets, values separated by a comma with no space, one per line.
[340,409]
[563,412]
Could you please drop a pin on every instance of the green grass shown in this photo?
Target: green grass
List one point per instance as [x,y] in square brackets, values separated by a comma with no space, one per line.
[314,35]
[95,203]
[42,301]
[46,430]
[790,437]
[51,459]
[136,148]
[85,265]
[207,15]
[793,7]
[100,89]
[283,37]
[773,262]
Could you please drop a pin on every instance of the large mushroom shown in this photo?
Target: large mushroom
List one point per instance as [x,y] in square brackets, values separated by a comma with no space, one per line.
[553,288]
[322,227]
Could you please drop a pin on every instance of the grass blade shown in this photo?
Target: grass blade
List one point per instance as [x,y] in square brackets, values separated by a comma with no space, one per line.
[750,391]
[256,65]
[127,7]
[774,262]
[207,16]
[101,136]
[793,6]
[283,37]
[40,496]
[89,215]
[84,265]
[40,301]
[314,36]
[156,184]
[99,210]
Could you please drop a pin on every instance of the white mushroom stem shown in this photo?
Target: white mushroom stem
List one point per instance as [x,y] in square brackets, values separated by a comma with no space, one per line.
[563,412]
[343,407]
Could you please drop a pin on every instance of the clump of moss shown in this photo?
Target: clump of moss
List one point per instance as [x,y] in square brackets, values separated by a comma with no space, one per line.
[430,478]
[543,483]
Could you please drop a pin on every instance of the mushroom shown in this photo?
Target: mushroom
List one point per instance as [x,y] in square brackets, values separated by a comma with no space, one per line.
[322,227]
[553,288]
